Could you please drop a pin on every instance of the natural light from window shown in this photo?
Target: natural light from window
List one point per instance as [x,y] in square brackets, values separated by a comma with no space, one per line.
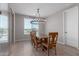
[3,28]
[28,26]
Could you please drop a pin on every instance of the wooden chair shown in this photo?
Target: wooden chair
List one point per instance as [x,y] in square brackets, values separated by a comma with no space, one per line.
[31,35]
[35,41]
[52,41]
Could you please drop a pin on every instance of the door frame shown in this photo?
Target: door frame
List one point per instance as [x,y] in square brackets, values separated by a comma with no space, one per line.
[64,41]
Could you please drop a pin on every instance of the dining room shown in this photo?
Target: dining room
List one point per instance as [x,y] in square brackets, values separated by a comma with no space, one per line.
[40,29]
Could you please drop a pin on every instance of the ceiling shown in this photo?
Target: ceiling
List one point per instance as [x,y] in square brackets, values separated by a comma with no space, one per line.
[46,9]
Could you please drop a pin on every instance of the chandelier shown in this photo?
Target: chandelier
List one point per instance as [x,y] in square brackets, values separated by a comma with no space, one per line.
[37,18]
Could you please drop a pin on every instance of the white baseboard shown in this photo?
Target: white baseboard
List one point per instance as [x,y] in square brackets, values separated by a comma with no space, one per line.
[60,43]
[22,40]
[68,45]
[78,48]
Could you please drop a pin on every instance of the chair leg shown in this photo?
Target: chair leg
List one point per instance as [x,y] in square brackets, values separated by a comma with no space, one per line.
[55,52]
[42,48]
[34,45]
[48,51]
[36,48]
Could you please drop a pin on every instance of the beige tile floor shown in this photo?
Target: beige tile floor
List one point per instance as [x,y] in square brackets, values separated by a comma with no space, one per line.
[25,48]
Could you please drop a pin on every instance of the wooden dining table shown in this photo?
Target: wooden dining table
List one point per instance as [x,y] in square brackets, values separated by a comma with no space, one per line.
[43,39]
[48,42]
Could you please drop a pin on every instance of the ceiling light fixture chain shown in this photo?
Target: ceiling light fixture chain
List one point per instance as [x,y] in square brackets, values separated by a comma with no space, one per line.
[38,14]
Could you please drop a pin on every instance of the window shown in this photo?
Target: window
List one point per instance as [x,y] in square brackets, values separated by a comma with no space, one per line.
[27,25]
[3,28]
[35,27]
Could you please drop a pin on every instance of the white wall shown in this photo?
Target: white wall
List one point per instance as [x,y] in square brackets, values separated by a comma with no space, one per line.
[55,24]
[3,6]
[42,28]
[18,27]
[78,26]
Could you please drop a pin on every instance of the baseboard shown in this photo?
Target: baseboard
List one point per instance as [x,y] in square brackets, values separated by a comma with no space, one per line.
[78,48]
[21,40]
[68,45]
[61,43]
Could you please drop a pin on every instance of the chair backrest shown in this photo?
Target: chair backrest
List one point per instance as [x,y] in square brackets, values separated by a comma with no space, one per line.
[53,36]
[33,37]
